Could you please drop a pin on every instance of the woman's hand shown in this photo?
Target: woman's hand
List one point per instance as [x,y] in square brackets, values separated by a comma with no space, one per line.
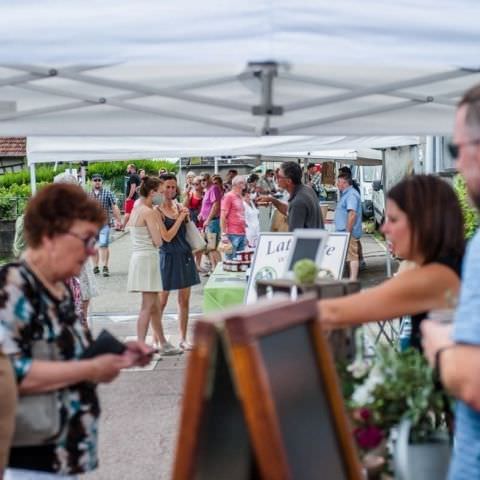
[106,368]
[183,212]
[139,353]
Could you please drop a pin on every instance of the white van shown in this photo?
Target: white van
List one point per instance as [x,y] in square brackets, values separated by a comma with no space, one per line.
[365,175]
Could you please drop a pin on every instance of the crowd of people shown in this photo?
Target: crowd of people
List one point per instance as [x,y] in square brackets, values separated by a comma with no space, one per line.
[45,341]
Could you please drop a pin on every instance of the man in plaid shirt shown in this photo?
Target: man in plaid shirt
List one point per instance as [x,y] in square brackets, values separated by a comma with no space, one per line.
[315,181]
[107,200]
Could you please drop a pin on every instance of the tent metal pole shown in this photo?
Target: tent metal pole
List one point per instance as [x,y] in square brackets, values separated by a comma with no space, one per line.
[215,165]
[347,116]
[429,152]
[87,100]
[169,92]
[388,263]
[377,90]
[324,82]
[33,179]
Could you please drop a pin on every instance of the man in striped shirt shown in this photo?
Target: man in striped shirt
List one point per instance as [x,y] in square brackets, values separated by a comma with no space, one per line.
[107,200]
[456,354]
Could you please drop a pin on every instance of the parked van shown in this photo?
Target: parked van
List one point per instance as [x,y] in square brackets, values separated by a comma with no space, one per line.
[365,175]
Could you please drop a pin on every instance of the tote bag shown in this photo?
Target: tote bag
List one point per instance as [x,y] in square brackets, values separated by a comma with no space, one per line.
[194,239]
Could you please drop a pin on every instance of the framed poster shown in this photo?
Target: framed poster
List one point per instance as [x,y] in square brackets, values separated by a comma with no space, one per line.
[272,253]
[269,260]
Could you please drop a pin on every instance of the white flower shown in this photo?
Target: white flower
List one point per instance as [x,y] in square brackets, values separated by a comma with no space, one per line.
[363,393]
[359,367]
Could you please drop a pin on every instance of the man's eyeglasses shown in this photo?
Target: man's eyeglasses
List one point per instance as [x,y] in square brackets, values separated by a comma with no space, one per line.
[97,180]
[90,243]
[454,148]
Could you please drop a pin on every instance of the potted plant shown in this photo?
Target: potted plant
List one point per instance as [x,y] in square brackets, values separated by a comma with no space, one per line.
[393,398]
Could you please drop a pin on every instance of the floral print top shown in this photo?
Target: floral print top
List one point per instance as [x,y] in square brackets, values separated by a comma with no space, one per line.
[29,313]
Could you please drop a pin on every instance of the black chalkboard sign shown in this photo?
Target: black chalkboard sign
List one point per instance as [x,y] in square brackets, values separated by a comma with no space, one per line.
[262,399]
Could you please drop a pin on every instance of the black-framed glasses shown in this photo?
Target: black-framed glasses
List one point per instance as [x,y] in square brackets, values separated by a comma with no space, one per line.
[90,242]
[454,148]
[97,179]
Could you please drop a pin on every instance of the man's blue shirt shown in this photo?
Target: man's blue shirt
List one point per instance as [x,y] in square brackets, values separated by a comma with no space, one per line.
[466,458]
[349,200]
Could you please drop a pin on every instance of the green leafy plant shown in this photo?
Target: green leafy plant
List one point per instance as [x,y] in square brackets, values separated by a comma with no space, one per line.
[400,385]
[470,214]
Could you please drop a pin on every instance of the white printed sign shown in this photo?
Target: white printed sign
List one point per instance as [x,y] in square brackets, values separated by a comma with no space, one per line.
[271,256]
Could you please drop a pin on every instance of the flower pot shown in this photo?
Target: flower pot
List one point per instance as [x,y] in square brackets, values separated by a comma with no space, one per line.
[426,461]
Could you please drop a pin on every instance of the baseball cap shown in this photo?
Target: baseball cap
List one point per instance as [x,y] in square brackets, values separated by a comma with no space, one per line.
[97,175]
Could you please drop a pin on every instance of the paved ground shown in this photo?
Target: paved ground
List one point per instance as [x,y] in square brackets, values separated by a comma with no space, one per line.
[140,409]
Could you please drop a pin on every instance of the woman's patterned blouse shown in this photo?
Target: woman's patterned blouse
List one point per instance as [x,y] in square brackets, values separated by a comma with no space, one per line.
[29,313]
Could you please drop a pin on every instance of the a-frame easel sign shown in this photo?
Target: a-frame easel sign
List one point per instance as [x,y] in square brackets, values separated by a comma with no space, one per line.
[262,400]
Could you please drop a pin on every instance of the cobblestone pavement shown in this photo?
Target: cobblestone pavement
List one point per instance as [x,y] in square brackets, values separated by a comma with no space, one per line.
[140,409]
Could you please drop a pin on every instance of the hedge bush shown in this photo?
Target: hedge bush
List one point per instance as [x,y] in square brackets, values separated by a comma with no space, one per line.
[109,170]
[43,173]
[13,199]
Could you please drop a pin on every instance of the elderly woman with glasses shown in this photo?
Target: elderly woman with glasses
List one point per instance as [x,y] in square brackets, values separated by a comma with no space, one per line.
[41,334]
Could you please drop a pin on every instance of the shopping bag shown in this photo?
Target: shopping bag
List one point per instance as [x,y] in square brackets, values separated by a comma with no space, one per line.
[194,239]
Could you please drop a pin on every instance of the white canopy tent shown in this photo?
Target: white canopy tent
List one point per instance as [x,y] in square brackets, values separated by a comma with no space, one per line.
[227,76]
[222,68]
[74,149]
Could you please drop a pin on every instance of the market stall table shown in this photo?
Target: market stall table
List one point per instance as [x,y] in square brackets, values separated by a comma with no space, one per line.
[223,290]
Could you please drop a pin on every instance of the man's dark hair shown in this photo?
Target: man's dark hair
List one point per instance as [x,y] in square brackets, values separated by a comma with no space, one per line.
[253,177]
[269,171]
[232,170]
[346,170]
[310,165]
[434,216]
[346,177]
[168,176]
[293,171]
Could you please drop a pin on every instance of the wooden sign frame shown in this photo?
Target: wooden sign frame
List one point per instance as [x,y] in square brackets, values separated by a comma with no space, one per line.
[240,332]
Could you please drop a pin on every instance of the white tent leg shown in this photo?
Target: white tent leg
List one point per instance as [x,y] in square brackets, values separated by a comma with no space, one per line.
[215,166]
[33,179]
[388,263]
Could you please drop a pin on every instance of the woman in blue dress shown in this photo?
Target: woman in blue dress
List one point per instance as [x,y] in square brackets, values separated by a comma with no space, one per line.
[177,265]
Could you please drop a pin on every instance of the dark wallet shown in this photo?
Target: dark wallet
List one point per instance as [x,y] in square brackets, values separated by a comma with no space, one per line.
[104,343]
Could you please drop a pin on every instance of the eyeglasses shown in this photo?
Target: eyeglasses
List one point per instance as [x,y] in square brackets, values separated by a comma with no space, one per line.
[90,243]
[97,179]
[454,148]
[203,180]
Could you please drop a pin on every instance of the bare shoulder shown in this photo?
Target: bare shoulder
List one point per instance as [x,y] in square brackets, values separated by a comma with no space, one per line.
[432,277]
